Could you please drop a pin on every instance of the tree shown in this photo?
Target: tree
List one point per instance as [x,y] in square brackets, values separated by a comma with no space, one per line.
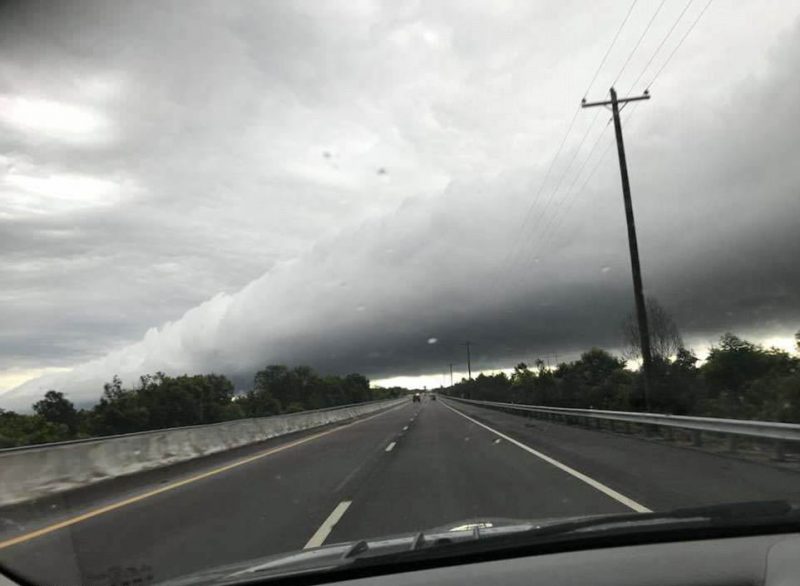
[57,409]
[26,430]
[119,411]
[733,363]
[744,379]
[160,401]
[665,338]
[259,403]
[276,381]
[522,375]
[680,388]
[592,381]
[357,388]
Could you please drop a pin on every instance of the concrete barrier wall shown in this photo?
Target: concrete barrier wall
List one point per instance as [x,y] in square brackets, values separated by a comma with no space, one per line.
[29,473]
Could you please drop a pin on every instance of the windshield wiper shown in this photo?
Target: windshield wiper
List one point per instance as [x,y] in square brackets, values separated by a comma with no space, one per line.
[482,540]
[725,514]
[739,515]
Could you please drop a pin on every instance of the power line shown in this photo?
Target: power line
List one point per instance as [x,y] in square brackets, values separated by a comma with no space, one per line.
[515,246]
[678,46]
[535,198]
[568,201]
[611,46]
[577,194]
[641,37]
[564,174]
[555,220]
[540,236]
[660,45]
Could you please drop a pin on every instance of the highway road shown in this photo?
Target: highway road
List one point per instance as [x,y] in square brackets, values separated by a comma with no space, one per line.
[411,468]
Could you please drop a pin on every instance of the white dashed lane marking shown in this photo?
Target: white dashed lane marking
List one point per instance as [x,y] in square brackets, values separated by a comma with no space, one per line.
[327,526]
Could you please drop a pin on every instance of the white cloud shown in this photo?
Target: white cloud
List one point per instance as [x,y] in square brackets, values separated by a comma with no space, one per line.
[22,193]
[54,120]
[13,377]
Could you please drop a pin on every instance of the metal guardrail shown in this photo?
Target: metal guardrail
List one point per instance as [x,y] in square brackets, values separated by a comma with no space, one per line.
[776,432]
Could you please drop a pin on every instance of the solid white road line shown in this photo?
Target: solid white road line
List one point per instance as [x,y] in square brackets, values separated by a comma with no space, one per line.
[390,447]
[327,526]
[630,503]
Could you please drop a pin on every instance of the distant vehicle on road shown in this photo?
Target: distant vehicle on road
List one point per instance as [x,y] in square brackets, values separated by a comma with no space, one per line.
[416,398]
[433,397]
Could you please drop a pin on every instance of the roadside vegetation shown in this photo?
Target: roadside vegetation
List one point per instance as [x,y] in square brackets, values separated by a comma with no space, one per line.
[160,401]
[739,379]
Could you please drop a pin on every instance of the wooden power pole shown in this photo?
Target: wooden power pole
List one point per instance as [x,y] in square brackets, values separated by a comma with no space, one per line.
[469,359]
[638,294]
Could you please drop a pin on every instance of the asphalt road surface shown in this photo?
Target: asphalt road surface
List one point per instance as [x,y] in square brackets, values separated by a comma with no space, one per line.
[411,468]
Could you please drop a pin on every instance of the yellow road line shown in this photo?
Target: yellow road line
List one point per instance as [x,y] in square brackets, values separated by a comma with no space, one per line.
[172,486]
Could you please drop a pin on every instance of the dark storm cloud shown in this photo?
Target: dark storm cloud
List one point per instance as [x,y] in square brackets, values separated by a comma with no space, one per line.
[243,146]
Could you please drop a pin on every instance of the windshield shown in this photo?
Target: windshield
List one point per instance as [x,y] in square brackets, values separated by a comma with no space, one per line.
[282,275]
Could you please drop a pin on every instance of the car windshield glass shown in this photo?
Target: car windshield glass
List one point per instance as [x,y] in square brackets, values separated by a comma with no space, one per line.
[386,276]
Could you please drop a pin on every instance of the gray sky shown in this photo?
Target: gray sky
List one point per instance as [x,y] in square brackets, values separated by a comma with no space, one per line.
[204,186]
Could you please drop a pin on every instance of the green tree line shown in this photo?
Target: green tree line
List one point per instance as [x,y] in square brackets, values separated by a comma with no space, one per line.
[159,401]
[739,379]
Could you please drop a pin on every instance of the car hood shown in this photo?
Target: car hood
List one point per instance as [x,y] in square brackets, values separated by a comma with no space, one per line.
[337,555]
[468,534]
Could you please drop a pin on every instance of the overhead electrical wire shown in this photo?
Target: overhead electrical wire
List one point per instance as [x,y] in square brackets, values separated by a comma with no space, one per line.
[538,235]
[550,199]
[576,195]
[678,46]
[660,46]
[555,223]
[547,235]
[519,238]
[553,193]
[639,42]
[566,170]
[526,257]
[610,47]
[510,255]
[536,197]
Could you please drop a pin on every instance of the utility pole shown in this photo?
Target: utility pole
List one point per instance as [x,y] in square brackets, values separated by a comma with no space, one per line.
[641,309]
[469,361]
[451,374]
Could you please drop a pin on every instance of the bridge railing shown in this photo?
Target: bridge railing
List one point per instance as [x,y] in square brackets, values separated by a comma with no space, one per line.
[31,472]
